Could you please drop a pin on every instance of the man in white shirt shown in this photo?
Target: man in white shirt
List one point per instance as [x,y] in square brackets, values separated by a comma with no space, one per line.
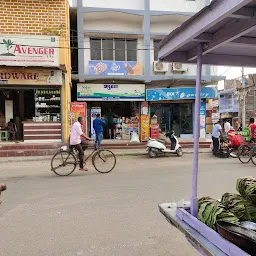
[216,132]
[227,126]
[75,141]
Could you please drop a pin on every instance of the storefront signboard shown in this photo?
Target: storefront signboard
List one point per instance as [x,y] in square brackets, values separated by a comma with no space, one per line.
[203,119]
[115,68]
[94,112]
[144,108]
[215,117]
[144,127]
[110,92]
[79,109]
[179,93]
[29,50]
[19,76]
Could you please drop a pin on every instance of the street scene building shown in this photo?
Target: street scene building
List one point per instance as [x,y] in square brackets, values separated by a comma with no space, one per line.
[35,71]
[116,66]
[115,139]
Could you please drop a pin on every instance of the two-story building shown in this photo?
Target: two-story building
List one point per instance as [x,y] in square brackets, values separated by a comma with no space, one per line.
[116,65]
[35,70]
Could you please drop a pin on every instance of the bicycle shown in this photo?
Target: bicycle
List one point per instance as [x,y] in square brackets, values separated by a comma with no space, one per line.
[244,152]
[68,157]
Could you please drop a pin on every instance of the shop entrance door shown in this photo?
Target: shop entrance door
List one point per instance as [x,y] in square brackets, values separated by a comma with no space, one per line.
[175,116]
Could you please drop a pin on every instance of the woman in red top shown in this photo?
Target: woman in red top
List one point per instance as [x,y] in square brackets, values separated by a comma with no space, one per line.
[252,126]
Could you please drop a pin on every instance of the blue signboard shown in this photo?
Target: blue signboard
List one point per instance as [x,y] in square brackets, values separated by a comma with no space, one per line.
[115,68]
[179,93]
[203,114]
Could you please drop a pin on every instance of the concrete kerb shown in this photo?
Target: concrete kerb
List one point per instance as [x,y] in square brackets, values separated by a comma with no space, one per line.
[44,158]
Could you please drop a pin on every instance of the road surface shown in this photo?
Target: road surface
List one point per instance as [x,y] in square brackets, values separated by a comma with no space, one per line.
[112,214]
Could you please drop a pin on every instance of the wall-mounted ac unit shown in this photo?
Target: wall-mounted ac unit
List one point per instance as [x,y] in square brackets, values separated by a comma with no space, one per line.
[160,66]
[178,67]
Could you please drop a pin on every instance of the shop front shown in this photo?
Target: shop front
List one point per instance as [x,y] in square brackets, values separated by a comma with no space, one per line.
[173,109]
[229,106]
[120,104]
[30,103]
[31,88]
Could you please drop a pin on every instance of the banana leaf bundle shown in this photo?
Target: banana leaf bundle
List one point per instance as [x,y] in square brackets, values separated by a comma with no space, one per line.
[235,204]
[247,188]
[250,211]
[211,211]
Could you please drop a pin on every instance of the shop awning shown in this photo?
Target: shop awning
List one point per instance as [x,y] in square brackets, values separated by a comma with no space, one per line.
[225,28]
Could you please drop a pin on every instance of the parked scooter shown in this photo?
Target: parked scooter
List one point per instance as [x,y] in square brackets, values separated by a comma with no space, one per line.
[155,147]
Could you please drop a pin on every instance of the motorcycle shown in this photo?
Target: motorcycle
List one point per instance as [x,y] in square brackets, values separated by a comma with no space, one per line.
[155,147]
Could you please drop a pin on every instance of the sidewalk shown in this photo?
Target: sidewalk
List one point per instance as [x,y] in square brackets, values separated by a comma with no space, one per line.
[117,152]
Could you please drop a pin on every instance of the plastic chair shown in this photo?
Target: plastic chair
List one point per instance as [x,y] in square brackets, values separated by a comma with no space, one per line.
[4,135]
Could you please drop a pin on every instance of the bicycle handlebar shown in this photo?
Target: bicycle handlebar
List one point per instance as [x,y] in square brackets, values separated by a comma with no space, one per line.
[2,188]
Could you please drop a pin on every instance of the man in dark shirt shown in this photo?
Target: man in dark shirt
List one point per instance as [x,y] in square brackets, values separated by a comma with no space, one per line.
[98,125]
[111,125]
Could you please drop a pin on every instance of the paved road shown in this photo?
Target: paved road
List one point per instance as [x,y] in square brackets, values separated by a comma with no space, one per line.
[111,215]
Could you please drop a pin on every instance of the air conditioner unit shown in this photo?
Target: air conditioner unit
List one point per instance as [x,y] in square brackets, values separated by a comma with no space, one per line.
[160,66]
[178,67]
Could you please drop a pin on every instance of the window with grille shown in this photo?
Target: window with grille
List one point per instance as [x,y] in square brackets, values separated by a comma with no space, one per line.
[117,49]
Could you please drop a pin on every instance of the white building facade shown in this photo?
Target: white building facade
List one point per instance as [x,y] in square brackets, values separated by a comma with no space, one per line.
[117,48]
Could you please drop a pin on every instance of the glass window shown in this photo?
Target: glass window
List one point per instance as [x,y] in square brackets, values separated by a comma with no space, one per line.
[156,48]
[95,48]
[120,49]
[107,49]
[131,48]
[113,49]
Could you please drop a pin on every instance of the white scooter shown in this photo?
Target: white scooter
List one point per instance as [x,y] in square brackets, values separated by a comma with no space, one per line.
[155,147]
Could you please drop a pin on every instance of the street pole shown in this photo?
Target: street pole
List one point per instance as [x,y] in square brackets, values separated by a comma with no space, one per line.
[243,93]
[194,198]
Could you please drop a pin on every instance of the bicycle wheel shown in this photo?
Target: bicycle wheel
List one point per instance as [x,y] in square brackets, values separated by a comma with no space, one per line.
[63,163]
[244,154]
[253,155]
[104,161]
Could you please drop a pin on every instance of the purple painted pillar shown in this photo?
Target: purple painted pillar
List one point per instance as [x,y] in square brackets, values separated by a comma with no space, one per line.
[194,199]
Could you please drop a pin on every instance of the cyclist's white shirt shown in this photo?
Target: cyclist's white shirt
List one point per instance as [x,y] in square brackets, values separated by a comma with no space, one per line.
[75,134]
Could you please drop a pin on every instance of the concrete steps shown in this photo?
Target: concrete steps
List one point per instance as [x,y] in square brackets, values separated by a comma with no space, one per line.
[24,149]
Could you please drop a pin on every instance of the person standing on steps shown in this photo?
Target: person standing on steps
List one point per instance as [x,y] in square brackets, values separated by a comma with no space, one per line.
[111,124]
[98,124]
[75,141]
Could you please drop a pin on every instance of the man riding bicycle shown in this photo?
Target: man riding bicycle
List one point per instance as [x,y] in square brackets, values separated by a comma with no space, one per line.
[75,141]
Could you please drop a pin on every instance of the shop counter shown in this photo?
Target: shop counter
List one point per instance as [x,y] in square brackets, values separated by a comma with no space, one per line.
[41,131]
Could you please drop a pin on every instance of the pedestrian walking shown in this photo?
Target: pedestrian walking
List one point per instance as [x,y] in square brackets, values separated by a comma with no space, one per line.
[98,124]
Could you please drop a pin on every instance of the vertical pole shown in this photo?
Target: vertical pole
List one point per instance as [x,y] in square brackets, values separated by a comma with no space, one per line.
[80,40]
[244,94]
[194,199]
[147,61]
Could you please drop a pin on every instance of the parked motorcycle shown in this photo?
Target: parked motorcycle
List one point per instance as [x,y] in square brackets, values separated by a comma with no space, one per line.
[155,147]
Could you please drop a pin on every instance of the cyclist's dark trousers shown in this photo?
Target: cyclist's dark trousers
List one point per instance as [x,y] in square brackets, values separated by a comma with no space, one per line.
[215,142]
[78,147]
